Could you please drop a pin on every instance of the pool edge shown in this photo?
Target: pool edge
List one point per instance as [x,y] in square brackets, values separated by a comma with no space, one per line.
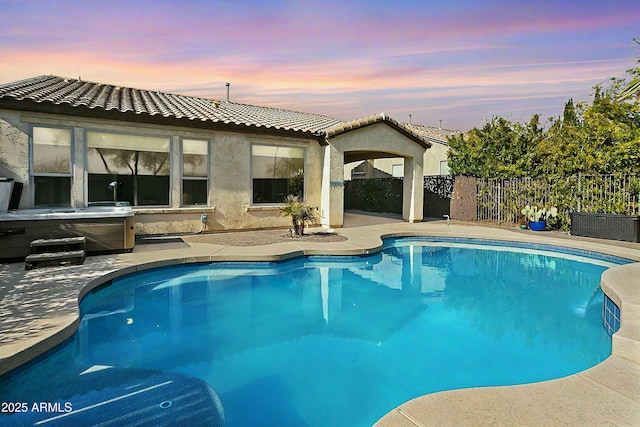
[544,396]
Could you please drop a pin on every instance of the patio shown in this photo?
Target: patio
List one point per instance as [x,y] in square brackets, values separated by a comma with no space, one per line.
[39,310]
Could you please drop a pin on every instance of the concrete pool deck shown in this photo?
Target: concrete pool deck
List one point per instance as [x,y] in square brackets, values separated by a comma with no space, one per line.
[39,310]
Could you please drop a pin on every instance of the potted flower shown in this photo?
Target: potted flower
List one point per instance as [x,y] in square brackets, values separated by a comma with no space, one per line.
[537,217]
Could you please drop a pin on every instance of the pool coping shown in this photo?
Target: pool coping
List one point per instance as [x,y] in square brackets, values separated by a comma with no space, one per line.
[607,393]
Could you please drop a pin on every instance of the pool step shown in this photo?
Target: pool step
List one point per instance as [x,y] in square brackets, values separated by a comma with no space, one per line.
[66,250]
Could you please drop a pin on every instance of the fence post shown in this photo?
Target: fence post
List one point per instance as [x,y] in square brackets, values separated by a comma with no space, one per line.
[498,206]
[579,204]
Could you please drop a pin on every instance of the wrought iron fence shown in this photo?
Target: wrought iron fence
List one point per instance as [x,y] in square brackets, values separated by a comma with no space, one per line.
[501,200]
[437,195]
[440,185]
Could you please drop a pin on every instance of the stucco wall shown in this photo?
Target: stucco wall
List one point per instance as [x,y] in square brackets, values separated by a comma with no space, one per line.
[14,152]
[382,138]
[230,204]
[365,170]
[377,137]
[432,158]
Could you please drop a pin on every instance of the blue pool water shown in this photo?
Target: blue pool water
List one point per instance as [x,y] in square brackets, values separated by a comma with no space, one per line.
[336,341]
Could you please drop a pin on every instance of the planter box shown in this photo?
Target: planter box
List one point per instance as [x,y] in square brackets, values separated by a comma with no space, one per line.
[606,226]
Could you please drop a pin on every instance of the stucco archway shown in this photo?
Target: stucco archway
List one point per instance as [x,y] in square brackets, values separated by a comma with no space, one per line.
[380,137]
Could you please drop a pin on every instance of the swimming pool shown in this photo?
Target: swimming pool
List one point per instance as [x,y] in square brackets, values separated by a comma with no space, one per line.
[341,341]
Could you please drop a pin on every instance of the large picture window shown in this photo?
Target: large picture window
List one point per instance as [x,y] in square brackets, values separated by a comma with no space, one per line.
[51,167]
[195,171]
[130,168]
[276,172]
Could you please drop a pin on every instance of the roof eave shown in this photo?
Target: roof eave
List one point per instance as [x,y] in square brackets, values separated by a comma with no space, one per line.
[379,118]
[144,118]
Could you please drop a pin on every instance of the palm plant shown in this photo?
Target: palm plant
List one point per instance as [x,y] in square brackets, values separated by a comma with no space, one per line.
[291,207]
[633,88]
[306,216]
[301,213]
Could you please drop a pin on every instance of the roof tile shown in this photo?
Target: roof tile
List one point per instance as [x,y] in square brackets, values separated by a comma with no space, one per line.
[98,96]
[432,133]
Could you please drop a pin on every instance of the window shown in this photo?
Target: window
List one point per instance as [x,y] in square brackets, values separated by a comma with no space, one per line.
[130,168]
[276,172]
[444,168]
[359,169]
[397,171]
[195,171]
[51,167]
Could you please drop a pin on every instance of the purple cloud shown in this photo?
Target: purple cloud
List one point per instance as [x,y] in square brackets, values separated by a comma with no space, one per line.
[461,61]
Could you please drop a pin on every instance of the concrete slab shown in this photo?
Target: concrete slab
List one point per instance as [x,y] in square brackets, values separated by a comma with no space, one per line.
[39,309]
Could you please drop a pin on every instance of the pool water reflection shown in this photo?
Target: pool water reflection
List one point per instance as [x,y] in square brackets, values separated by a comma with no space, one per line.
[342,340]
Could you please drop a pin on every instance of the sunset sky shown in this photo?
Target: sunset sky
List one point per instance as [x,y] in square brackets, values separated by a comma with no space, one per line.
[459,61]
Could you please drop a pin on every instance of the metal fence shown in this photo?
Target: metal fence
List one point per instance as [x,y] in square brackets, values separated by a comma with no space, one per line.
[374,195]
[501,200]
[437,195]
[385,195]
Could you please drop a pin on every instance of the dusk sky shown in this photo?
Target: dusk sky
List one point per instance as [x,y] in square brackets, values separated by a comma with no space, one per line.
[459,61]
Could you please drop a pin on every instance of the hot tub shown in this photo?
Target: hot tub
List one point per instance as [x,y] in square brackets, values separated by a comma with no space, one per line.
[106,228]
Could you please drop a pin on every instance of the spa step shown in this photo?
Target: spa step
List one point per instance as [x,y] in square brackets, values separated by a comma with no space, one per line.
[54,258]
[64,244]
[65,250]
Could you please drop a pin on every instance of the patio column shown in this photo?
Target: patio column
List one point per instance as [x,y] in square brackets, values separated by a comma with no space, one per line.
[412,192]
[332,192]
[176,172]
[80,184]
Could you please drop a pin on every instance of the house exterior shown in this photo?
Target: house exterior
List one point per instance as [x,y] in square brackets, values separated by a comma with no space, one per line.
[366,170]
[435,160]
[174,158]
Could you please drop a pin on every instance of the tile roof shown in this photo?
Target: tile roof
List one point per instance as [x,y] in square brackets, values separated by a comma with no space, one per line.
[274,117]
[432,133]
[99,96]
[54,91]
[377,118]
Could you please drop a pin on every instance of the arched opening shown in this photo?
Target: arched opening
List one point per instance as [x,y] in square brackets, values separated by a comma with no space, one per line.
[378,140]
[372,187]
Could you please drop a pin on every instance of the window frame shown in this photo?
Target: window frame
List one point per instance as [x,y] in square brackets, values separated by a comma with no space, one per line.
[168,137]
[251,178]
[445,164]
[33,174]
[393,170]
[356,172]
[194,178]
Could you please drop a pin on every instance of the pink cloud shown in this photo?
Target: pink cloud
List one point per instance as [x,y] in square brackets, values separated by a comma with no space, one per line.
[332,58]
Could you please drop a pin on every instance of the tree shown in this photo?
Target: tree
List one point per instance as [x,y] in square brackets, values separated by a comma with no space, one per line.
[598,138]
[500,149]
[612,128]
[569,117]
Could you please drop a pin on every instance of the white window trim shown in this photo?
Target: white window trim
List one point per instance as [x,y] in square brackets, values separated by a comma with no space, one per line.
[194,178]
[274,204]
[33,174]
[169,137]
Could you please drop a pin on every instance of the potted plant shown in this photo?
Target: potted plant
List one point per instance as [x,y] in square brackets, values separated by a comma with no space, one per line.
[537,217]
